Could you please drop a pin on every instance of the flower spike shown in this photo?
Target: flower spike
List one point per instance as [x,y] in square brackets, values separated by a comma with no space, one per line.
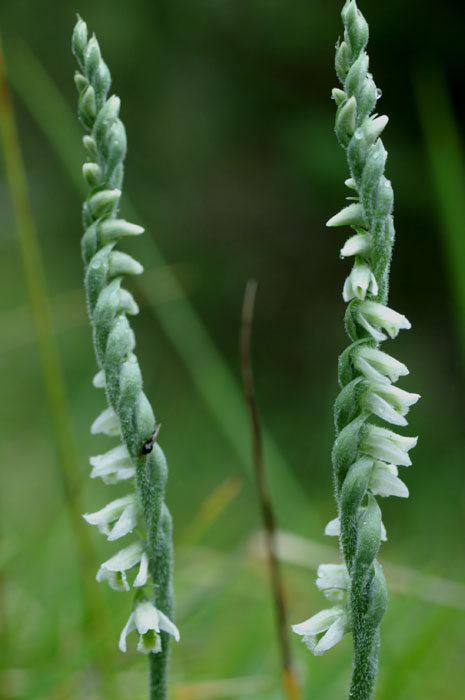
[128,415]
[366,456]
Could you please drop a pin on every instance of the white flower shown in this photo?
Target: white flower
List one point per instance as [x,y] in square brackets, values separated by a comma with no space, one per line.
[323,630]
[387,446]
[378,366]
[389,402]
[333,581]
[114,570]
[384,481]
[116,519]
[360,281]
[333,529]
[106,423]
[371,312]
[359,244]
[148,621]
[113,466]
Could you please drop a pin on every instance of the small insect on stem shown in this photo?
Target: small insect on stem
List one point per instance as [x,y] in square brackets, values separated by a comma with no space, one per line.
[148,444]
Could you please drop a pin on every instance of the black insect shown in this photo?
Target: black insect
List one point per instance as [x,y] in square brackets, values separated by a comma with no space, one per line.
[148,444]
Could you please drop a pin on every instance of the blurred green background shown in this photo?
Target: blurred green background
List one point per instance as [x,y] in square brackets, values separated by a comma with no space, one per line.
[233,168]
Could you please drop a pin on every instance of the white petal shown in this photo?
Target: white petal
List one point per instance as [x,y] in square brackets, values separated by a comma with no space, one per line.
[142,575]
[99,380]
[332,636]
[167,626]
[385,482]
[117,580]
[126,558]
[333,580]
[381,408]
[387,446]
[360,281]
[107,515]
[128,627]
[318,623]
[375,333]
[106,423]
[113,466]
[400,399]
[126,522]
[368,371]
[383,316]
[146,617]
[382,362]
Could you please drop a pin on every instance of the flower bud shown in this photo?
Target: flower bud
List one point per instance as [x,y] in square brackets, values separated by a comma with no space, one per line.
[106,423]
[351,215]
[92,174]
[101,202]
[360,281]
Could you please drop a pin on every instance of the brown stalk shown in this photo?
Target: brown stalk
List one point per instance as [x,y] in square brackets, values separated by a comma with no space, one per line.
[289,679]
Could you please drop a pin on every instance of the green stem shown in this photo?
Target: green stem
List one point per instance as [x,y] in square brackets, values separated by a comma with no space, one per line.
[162,572]
[365,666]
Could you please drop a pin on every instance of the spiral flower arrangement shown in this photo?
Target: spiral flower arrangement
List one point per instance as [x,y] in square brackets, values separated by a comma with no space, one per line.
[366,455]
[146,563]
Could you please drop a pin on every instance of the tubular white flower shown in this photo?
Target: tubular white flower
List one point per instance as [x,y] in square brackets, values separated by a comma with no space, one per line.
[400,399]
[114,570]
[371,312]
[359,244]
[360,281]
[323,630]
[389,402]
[333,580]
[388,446]
[106,423]
[384,481]
[377,365]
[117,518]
[113,466]
[148,621]
[333,529]
[383,409]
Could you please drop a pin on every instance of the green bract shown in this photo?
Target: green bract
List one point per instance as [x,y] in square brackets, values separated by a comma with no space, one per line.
[129,415]
[365,455]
